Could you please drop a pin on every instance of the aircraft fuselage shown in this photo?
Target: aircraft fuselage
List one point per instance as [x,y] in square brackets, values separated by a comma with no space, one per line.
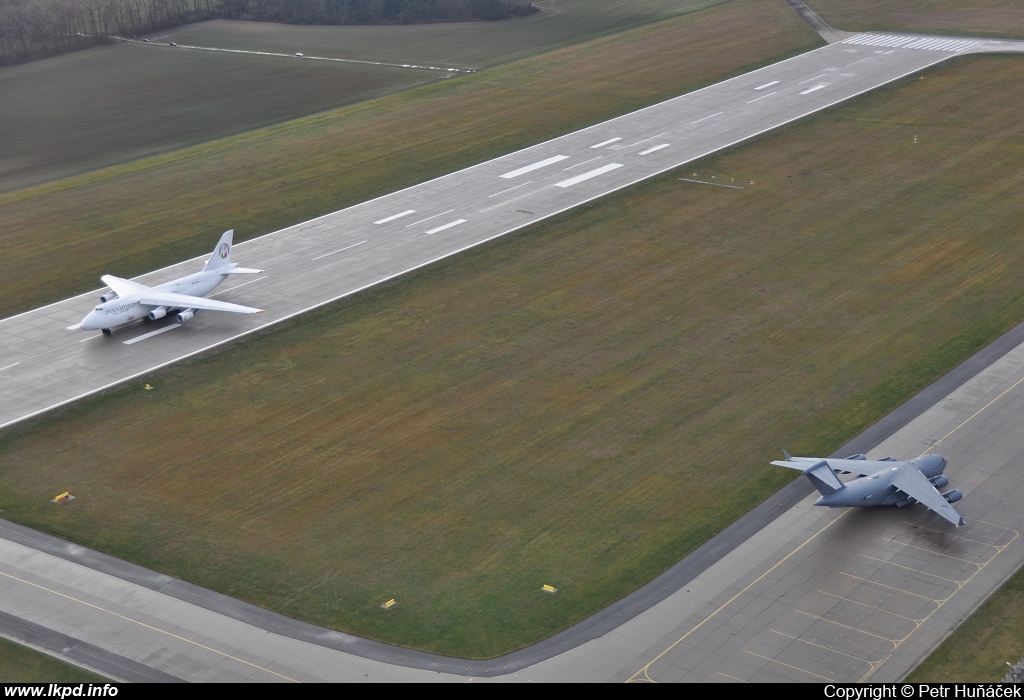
[877,489]
[122,310]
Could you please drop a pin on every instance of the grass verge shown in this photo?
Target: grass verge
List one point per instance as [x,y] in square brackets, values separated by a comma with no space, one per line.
[578,405]
[143,215]
[21,664]
[994,18]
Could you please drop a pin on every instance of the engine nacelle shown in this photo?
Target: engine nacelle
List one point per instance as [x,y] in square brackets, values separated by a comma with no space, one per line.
[109,296]
[903,503]
[186,315]
[953,496]
[158,312]
[940,481]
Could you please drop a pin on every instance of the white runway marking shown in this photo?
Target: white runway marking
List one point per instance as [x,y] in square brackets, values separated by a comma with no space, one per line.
[396,216]
[767,85]
[9,366]
[856,62]
[587,175]
[583,163]
[912,42]
[762,97]
[716,184]
[707,117]
[637,143]
[92,337]
[810,79]
[816,87]
[417,223]
[442,228]
[316,258]
[605,143]
[158,331]
[654,148]
[509,189]
[74,327]
[231,289]
[535,166]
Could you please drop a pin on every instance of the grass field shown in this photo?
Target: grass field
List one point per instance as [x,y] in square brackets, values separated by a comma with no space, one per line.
[979,649]
[146,214]
[469,44]
[20,664]
[996,18]
[578,405]
[92,109]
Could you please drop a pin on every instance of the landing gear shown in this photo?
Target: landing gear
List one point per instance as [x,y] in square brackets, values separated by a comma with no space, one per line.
[107,331]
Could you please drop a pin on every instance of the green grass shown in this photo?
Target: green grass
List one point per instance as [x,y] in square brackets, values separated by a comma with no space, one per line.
[469,44]
[579,404]
[21,664]
[981,646]
[994,18]
[146,214]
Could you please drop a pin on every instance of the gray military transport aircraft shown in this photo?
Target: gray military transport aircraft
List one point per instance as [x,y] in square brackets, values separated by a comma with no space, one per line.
[130,301]
[881,482]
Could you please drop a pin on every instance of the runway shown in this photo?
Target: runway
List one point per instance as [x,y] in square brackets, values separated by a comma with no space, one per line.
[47,362]
[814,595]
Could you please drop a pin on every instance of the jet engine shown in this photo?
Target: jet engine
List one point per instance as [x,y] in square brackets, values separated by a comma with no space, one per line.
[940,482]
[186,315]
[953,496]
[109,296]
[158,312]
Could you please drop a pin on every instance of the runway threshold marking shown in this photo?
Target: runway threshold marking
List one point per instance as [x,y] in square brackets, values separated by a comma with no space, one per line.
[762,97]
[321,256]
[589,174]
[654,148]
[533,166]
[767,85]
[510,189]
[147,626]
[446,226]
[707,117]
[605,143]
[417,223]
[158,331]
[395,216]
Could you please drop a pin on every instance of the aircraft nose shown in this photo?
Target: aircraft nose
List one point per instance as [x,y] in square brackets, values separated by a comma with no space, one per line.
[89,322]
[935,464]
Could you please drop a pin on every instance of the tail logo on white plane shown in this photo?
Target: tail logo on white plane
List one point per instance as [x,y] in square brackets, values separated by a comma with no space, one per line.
[224,248]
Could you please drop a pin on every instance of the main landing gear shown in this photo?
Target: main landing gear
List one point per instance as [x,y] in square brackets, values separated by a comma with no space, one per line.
[107,331]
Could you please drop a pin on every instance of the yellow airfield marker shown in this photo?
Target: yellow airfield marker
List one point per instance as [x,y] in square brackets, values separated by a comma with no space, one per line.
[62,498]
[149,388]
[390,604]
[548,589]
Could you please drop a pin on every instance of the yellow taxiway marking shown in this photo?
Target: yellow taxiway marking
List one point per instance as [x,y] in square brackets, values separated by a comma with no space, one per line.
[938,554]
[910,568]
[892,588]
[732,677]
[869,607]
[968,539]
[974,415]
[151,627]
[849,627]
[724,605]
[795,668]
[821,646]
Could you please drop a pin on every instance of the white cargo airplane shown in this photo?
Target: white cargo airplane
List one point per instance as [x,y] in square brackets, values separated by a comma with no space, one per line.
[130,301]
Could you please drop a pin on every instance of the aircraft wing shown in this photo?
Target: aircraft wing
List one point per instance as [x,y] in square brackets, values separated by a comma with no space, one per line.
[184,301]
[123,287]
[912,482]
[860,467]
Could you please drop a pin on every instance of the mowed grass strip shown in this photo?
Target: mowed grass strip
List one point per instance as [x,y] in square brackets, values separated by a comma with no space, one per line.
[981,646]
[22,664]
[147,214]
[578,405]
[995,18]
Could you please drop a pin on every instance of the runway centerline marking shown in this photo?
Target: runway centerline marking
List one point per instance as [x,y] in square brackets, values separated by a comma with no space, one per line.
[149,627]
[707,117]
[158,331]
[815,88]
[9,366]
[417,223]
[651,138]
[589,174]
[762,97]
[605,143]
[511,188]
[856,62]
[94,337]
[320,256]
[442,228]
[767,85]
[237,286]
[583,163]
[810,79]
[652,149]
[395,216]
[533,166]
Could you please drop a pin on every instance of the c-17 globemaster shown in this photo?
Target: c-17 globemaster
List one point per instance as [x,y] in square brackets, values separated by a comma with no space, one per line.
[130,301]
[881,482]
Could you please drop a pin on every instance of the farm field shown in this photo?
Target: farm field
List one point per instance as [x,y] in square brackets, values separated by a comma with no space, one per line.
[455,44]
[142,215]
[580,404]
[22,664]
[995,18]
[979,649]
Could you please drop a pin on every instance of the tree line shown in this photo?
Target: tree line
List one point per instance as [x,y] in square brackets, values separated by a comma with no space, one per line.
[31,29]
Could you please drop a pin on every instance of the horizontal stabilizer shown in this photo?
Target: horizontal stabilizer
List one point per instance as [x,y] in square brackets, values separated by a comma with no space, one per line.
[823,478]
[241,271]
[184,301]
[123,287]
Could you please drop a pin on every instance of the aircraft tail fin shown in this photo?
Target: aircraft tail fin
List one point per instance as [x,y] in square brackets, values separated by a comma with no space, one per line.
[222,253]
[788,457]
[823,478]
